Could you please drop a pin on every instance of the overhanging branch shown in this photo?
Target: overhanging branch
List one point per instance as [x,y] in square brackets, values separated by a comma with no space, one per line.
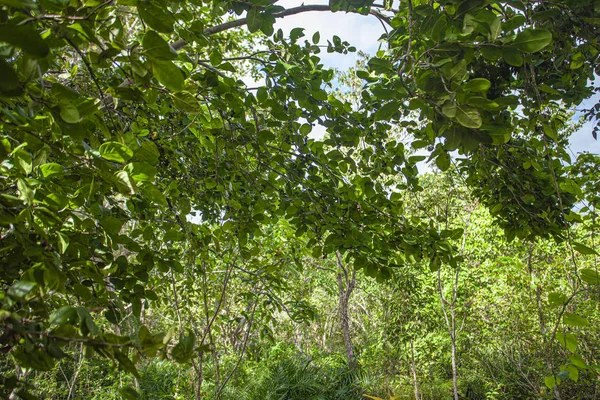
[285,13]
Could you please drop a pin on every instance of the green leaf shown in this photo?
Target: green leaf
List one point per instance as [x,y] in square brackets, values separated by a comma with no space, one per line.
[468,117]
[115,151]
[550,382]
[155,15]
[184,350]
[443,161]
[449,109]
[156,48]
[64,315]
[254,19]
[51,169]
[215,57]
[147,152]
[532,40]
[590,276]
[141,171]
[316,37]
[23,161]
[69,113]
[126,363]
[574,320]
[583,249]
[63,242]
[152,193]
[21,289]
[26,193]
[305,129]
[512,56]
[25,38]
[477,85]
[9,80]
[455,71]
[168,74]
[112,225]
[129,393]
[568,341]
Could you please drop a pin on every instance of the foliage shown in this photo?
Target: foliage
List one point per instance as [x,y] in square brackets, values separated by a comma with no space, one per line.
[154,207]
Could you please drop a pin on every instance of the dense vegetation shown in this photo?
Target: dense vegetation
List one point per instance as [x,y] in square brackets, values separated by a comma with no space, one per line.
[168,232]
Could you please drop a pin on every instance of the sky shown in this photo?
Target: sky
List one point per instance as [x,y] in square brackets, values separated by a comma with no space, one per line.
[363,32]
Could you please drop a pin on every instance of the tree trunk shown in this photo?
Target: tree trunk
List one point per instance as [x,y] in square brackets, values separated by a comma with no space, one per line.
[542,323]
[199,374]
[453,340]
[413,368]
[345,285]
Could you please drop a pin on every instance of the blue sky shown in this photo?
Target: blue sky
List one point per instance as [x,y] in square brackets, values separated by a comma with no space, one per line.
[363,32]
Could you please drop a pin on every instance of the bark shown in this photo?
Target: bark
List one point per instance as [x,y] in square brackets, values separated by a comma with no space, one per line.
[346,285]
[547,345]
[413,368]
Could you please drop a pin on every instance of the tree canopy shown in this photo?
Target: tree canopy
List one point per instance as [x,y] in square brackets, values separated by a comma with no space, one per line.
[135,160]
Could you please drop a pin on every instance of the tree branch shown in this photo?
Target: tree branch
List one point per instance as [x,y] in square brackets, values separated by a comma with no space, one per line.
[285,13]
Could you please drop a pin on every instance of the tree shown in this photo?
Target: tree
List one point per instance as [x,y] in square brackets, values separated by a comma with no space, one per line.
[122,119]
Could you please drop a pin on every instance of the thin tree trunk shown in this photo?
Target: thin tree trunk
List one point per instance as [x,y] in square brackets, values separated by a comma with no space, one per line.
[453,339]
[451,325]
[345,286]
[199,375]
[541,320]
[413,368]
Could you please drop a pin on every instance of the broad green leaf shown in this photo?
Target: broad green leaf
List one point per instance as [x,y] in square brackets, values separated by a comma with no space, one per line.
[9,81]
[152,193]
[443,161]
[126,363]
[147,152]
[23,161]
[215,57]
[63,242]
[514,22]
[573,373]
[550,382]
[254,19]
[156,48]
[141,171]
[449,109]
[468,117]
[64,315]
[184,350]
[51,169]
[316,37]
[568,341]
[578,361]
[69,113]
[25,38]
[583,249]
[168,74]
[305,129]
[557,299]
[129,393]
[512,56]
[21,289]
[115,151]
[477,85]
[26,193]
[112,225]
[532,40]
[36,359]
[155,15]
[590,276]
[125,182]
[574,320]
[455,71]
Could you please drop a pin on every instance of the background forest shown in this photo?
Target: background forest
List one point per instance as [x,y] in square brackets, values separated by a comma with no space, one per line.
[174,226]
